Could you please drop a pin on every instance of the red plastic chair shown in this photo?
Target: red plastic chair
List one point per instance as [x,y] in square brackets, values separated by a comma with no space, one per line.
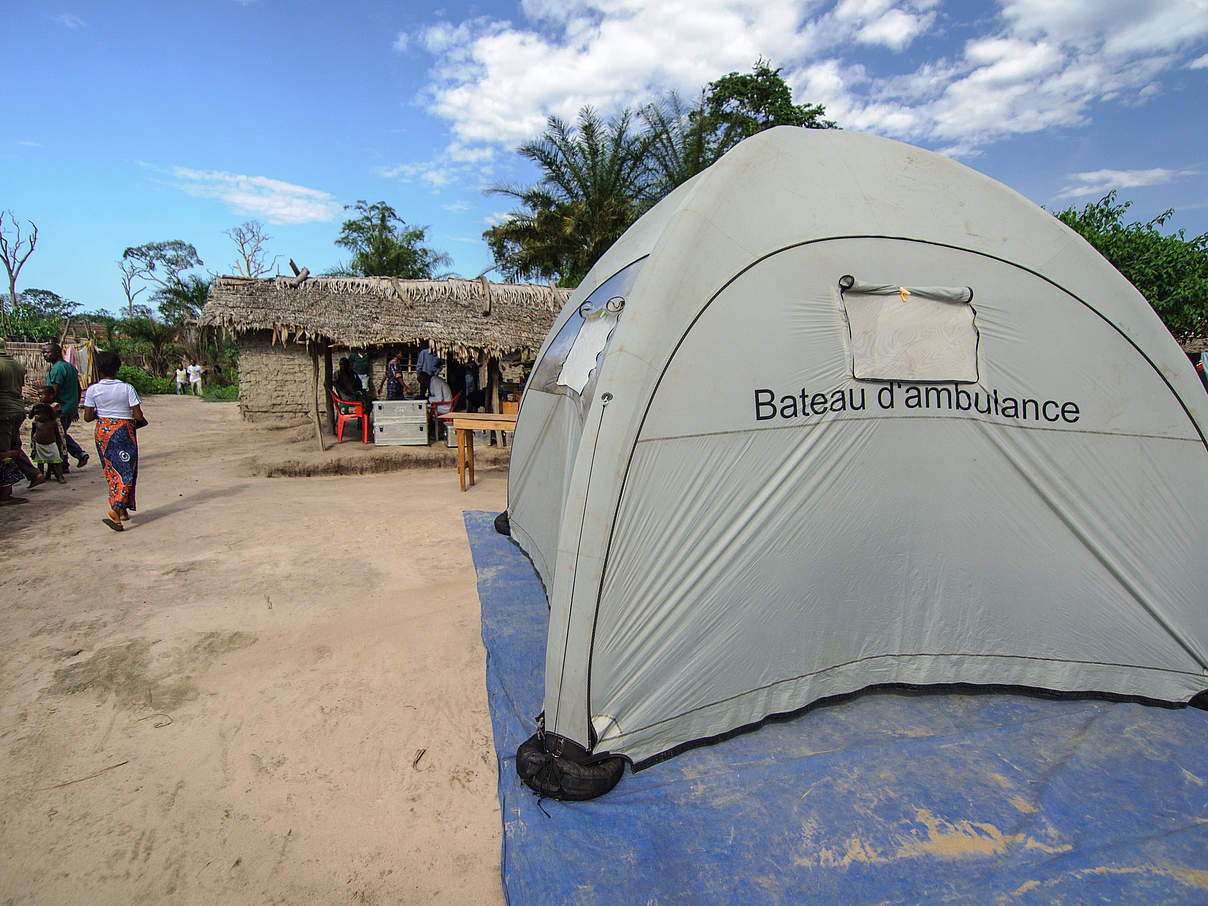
[442,407]
[346,410]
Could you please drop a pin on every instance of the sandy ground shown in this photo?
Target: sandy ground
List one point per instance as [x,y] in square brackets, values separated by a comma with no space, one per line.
[268,690]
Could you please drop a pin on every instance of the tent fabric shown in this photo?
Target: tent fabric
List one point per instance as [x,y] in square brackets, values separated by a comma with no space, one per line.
[886,798]
[757,500]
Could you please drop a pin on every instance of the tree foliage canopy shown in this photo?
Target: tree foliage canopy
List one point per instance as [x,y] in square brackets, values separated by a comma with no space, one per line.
[598,177]
[181,302]
[739,105]
[38,315]
[161,263]
[594,185]
[383,245]
[158,263]
[1171,271]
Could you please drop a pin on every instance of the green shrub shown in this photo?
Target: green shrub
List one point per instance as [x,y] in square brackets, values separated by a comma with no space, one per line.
[143,383]
[220,394]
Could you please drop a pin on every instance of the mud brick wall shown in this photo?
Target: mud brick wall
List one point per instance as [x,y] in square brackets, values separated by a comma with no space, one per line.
[274,379]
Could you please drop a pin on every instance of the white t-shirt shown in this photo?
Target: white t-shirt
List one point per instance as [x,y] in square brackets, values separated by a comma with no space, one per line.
[111,398]
[181,375]
[439,390]
[194,373]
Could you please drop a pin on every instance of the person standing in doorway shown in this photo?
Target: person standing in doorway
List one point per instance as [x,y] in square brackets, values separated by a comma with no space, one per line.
[427,366]
[393,378]
[360,367]
[65,381]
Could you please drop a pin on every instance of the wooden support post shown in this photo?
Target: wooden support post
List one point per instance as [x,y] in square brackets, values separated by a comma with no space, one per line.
[494,378]
[331,409]
[314,400]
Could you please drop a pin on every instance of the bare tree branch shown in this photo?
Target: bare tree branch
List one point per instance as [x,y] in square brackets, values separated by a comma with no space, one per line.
[249,239]
[14,260]
[130,271]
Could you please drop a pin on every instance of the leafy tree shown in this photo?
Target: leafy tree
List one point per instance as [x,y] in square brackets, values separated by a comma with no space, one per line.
[155,340]
[1171,271]
[383,245]
[180,303]
[12,255]
[38,315]
[598,178]
[594,184]
[677,142]
[180,307]
[738,106]
[49,303]
[158,263]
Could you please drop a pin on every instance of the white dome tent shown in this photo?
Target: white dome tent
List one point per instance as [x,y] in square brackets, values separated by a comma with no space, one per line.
[841,412]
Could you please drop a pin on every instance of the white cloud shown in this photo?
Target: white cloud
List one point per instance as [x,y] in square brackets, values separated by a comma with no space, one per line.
[1199,62]
[259,196]
[1100,182]
[69,20]
[433,173]
[1115,26]
[1032,65]
[896,29]
[458,207]
[465,154]
[401,42]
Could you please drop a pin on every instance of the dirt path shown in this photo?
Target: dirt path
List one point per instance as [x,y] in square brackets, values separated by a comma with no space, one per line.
[269,690]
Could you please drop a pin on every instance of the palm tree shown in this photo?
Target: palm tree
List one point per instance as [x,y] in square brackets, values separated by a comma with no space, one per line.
[181,301]
[595,181]
[677,141]
[155,340]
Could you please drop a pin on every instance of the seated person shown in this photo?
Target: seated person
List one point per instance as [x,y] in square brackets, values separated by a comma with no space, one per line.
[347,385]
[439,391]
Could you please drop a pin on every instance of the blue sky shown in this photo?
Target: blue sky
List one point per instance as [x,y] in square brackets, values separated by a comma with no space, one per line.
[133,122]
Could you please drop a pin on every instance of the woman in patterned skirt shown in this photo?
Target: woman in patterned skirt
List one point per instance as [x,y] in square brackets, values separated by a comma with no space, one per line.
[117,410]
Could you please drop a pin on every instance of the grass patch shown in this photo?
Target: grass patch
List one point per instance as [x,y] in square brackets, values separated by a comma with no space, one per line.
[220,394]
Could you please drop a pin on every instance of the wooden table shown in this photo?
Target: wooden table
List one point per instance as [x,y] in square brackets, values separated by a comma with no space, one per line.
[465,424]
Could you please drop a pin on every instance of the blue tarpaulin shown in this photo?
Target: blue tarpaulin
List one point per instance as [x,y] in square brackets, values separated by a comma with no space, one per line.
[886,797]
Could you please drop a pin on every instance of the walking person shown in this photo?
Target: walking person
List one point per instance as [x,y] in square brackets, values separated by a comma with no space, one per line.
[14,464]
[194,370]
[182,377]
[117,410]
[65,380]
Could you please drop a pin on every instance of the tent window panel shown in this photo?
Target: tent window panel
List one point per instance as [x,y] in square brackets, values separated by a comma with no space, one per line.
[900,333]
[572,361]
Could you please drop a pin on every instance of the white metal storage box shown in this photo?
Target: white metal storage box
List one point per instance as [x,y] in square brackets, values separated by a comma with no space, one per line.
[401,410]
[400,433]
[400,422]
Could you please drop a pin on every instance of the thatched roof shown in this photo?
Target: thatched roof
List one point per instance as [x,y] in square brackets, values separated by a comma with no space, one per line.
[456,315]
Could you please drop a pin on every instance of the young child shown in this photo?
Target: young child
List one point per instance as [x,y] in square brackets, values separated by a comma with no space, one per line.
[46,441]
[46,397]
